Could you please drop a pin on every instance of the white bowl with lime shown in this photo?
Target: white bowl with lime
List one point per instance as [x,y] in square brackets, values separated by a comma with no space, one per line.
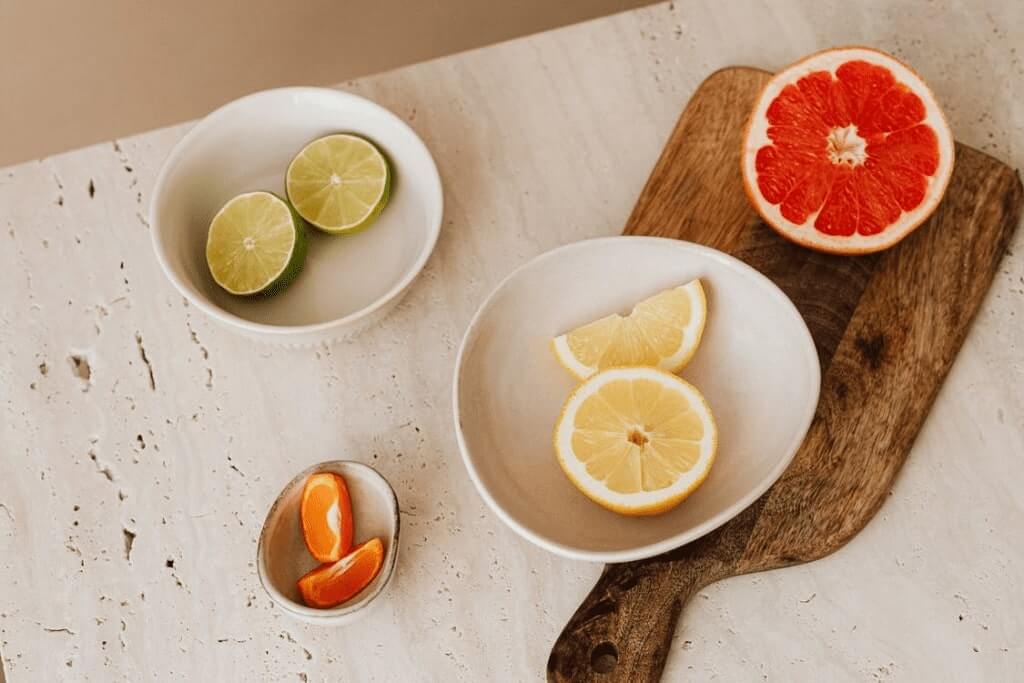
[332,262]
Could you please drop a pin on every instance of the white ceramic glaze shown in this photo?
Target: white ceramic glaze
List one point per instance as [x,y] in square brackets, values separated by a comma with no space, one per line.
[757,367]
[348,282]
[282,557]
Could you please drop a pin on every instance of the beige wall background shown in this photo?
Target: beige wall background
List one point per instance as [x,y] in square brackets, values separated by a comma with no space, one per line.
[75,72]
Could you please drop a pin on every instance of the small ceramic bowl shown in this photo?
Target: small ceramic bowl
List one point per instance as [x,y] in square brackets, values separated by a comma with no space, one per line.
[281,555]
[756,365]
[348,282]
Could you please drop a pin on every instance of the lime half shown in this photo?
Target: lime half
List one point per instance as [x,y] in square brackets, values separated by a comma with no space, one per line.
[339,183]
[256,244]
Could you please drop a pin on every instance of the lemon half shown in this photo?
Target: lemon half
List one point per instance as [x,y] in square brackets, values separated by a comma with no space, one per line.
[637,440]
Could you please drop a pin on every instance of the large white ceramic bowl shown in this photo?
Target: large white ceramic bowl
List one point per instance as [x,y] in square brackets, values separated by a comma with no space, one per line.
[348,282]
[756,365]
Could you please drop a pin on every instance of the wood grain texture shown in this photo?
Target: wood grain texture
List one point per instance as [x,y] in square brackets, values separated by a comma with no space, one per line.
[887,329]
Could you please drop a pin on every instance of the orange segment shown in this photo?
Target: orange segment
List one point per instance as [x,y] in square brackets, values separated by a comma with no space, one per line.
[330,585]
[326,517]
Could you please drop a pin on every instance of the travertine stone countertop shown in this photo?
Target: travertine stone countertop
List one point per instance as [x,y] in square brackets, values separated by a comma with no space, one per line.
[140,444]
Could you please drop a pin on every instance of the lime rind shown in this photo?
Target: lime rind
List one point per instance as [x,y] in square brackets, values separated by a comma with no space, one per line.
[373,215]
[298,258]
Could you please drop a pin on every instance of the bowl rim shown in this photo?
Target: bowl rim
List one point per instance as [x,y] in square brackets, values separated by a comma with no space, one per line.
[687,535]
[390,555]
[181,148]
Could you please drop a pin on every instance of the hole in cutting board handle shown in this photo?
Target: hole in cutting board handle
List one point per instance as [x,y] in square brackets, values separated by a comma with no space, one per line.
[604,657]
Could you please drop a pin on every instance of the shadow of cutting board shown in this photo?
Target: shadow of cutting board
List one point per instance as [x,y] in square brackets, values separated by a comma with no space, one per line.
[887,327]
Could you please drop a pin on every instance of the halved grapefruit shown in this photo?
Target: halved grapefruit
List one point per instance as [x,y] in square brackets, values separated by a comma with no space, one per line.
[846,151]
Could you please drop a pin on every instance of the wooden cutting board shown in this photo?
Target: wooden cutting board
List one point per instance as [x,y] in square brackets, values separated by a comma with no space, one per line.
[887,328]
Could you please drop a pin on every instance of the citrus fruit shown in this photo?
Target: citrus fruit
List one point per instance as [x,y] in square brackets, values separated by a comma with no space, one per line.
[339,183]
[637,440]
[331,584]
[846,151]
[326,513]
[662,331]
[256,244]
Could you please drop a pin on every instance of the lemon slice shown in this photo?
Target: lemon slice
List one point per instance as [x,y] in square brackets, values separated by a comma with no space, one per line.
[256,244]
[339,183]
[636,440]
[663,331]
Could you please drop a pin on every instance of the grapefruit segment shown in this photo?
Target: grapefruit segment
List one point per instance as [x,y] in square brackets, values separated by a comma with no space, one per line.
[862,82]
[846,151]
[915,149]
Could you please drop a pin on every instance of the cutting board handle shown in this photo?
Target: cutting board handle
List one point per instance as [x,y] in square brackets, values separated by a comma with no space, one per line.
[624,628]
